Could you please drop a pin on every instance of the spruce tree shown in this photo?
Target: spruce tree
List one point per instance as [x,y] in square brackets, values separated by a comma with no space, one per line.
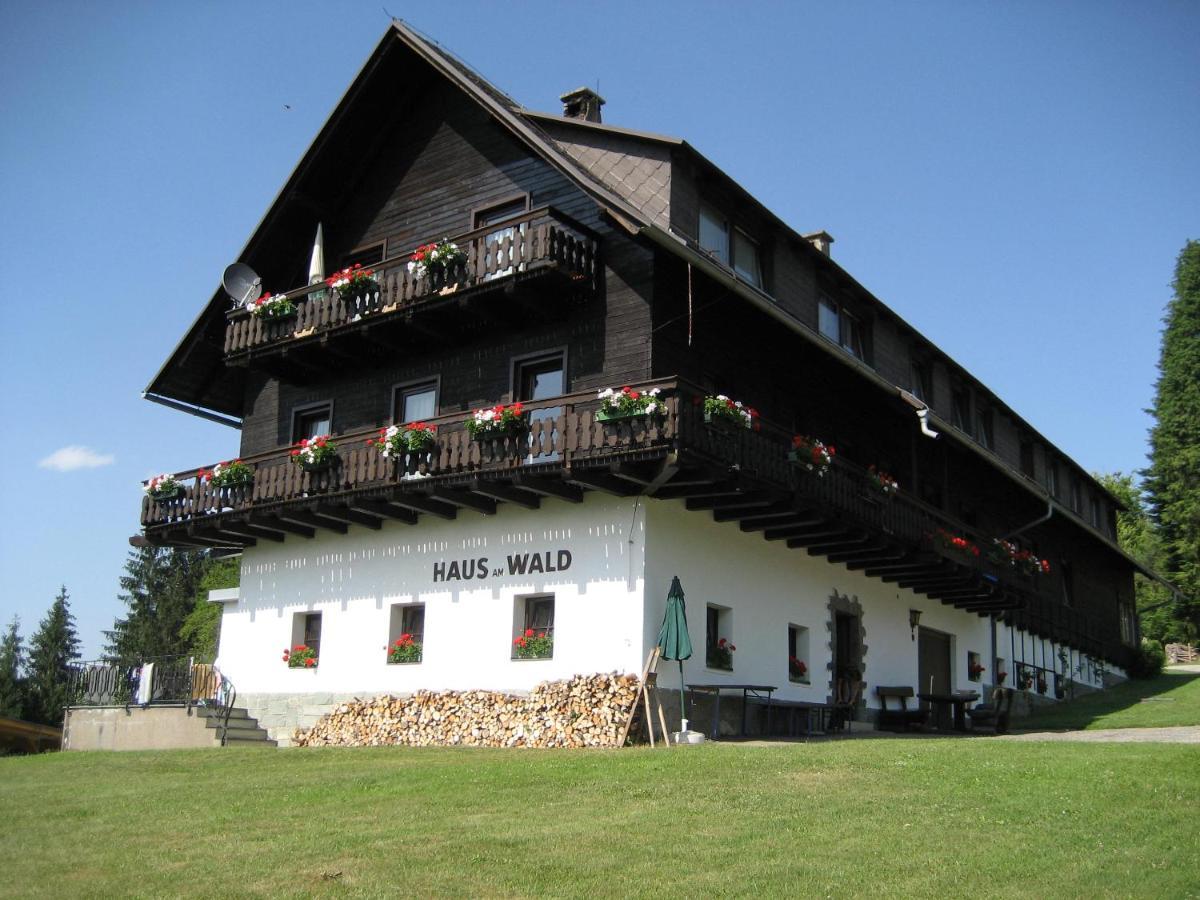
[12,686]
[1173,479]
[51,651]
[160,586]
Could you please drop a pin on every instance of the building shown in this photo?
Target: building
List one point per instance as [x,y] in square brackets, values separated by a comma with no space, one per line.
[596,257]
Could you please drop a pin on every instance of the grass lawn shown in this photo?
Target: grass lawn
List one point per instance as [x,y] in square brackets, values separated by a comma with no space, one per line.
[1172,698]
[927,817]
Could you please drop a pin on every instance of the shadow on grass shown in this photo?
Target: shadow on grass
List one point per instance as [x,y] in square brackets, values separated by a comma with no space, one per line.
[1170,699]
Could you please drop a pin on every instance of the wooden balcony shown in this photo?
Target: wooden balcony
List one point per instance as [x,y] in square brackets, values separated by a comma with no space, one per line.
[736,475]
[542,259]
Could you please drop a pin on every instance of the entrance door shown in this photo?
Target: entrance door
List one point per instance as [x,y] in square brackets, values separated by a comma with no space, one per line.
[933,664]
[847,658]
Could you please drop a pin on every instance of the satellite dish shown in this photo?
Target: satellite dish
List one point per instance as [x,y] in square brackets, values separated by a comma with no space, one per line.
[241,283]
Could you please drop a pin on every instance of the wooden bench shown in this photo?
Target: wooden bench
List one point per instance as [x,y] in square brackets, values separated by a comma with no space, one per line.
[993,716]
[898,717]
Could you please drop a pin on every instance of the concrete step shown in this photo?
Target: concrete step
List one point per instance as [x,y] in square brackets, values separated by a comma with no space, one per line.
[245,724]
[209,712]
[257,738]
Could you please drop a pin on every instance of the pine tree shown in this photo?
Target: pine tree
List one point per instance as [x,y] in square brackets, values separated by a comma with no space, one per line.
[12,686]
[51,651]
[202,629]
[1173,482]
[160,589]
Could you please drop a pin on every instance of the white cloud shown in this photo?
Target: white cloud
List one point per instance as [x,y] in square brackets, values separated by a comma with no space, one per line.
[68,459]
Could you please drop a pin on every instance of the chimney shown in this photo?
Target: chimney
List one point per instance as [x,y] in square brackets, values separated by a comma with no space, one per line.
[820,239]
[582,103]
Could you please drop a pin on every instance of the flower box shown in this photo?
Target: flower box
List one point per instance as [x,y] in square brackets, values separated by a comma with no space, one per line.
[497,422]
[407,650]
[315,454]
[162,488]
[272,308]
[533,645]
[723,414]
[625,404]
[811,455]
[353,281]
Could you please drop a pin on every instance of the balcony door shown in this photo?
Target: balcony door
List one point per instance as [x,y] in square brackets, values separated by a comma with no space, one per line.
[500,213]
[543,378]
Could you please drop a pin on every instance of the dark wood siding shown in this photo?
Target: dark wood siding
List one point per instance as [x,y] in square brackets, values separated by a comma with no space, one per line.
[423,184]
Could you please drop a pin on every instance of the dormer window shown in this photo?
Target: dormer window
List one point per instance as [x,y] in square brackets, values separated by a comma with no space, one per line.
[714,234]
[920,380]
[841,327]
[960,410]
[985,432]
[731,247]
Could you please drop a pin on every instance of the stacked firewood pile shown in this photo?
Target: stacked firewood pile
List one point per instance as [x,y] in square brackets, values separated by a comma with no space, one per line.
[586,711]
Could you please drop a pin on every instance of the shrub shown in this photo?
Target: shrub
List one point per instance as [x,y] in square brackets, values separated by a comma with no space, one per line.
[1148,660]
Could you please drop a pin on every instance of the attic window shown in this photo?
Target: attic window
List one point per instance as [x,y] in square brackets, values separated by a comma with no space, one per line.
[746,260]
[714,234]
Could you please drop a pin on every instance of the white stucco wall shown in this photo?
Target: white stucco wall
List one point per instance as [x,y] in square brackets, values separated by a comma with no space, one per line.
[354,579]
[767,587]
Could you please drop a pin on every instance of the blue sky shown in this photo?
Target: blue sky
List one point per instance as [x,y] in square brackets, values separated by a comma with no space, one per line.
[1014,179]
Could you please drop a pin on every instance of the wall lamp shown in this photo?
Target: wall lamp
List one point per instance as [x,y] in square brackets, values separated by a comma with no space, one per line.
[914,619]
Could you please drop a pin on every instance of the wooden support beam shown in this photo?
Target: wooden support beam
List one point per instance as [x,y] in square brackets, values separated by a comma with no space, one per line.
[215,538]
[980,592]
[822,547]
[743,500]
[879,552]
[277,524]
[603,482]
[552,486]
[303,517]
[667,470]
[234,526]
[346,514]
[423,503]
[384,509]
[824,529]
[712,489]
[891,571]
[465,500]
[941,579]
[508,494]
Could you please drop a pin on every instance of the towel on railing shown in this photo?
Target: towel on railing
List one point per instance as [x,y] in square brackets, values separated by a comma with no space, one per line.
[145,691]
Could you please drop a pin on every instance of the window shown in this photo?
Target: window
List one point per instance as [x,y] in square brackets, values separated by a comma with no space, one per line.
[985,429]
[406,619]
[799,663]
[974,666]
[306,629]
[1098,513]
[367,255]
[1027,458]
[1053,484]
[311,421]
[746,261]
[730,247]
[714,234]
[1076,496]
[541,378]
[533,627]
[415,402]
[960,410]
[841,327]
[718,643]
[921,380]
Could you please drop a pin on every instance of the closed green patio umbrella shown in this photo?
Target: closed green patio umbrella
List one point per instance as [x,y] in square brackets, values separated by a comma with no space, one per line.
[673,639]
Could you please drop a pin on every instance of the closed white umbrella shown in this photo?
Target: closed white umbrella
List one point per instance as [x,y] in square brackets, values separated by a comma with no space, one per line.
[316,267]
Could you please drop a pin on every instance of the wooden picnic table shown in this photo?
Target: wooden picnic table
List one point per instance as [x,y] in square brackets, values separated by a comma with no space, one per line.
[757,691]
[956,701]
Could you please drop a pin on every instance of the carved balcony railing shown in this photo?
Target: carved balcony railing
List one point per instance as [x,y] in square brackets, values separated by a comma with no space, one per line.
[534,246]
[740,475]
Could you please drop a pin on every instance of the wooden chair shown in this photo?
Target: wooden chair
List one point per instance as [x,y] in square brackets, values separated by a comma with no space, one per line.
[846,697]
[993,716]
[898,717]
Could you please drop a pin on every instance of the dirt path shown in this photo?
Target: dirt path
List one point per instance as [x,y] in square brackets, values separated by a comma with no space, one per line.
[1181,734]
